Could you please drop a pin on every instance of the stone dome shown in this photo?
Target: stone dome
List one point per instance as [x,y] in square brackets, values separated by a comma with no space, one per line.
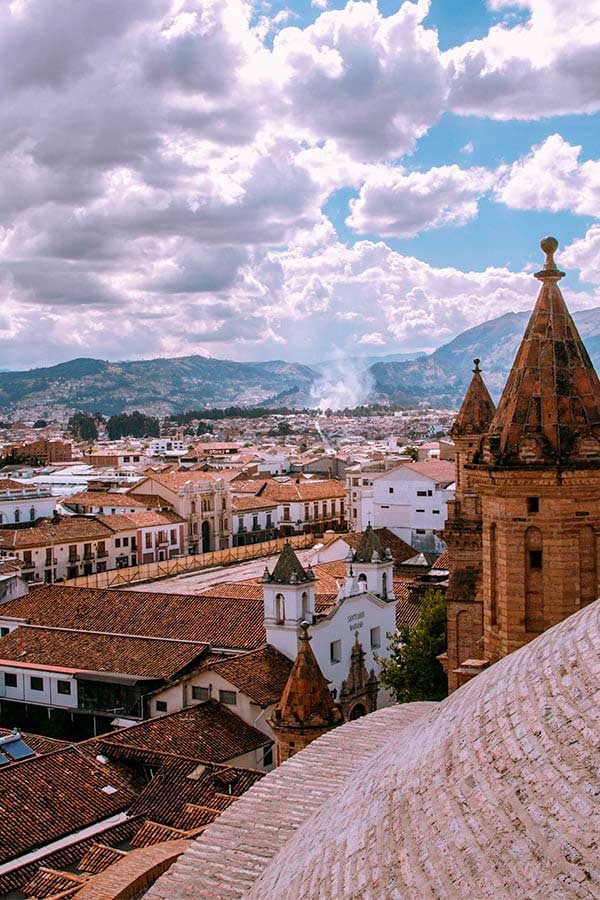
[492,793]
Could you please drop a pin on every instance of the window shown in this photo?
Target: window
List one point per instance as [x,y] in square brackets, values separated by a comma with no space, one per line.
[255,523]
[17,515]
[37,684]
[4,631]
[421,510]
[390,490]
[375,638]
[126,542]
[268,757]
[535,559]
[229,697]
[335,651]
[435,512]
[10,679]
[148,540]
[430,493]
[200,693]
[117,542]
[32,514]
[173,536]
[279,609]
[421,493]
[421,530]
[161,706]
[269,522]
[63,687]
[533,504]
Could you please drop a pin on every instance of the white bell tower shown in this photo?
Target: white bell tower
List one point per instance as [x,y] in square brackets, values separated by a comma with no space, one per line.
[371,568]
[289,599]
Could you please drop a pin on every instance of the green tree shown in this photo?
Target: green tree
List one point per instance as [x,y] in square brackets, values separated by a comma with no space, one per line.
[411,451]
[83,427]
[135,424]
[412,671]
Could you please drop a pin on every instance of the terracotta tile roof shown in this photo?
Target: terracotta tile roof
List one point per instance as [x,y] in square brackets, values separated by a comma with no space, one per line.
[153,501]
[99,857]
[443,561]
[9,484]
[240,590]
[176,480]
[306,701]
[154,833]
[261,674]
[68,529]
[93,499]
[304,491]
[249,503]
[208,731]
[62,792]
[142,519]
[66,857]
[439,470]
[10,567]
[181,781]
[477,409]
[230,623]
[48,882]
[549,411]
[400,549]
[39,743]
[93,652]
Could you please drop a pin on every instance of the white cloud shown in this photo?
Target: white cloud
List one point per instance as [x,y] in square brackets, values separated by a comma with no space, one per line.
[391,203]
[584,254]
[552,177]
[375,338]
[548,66]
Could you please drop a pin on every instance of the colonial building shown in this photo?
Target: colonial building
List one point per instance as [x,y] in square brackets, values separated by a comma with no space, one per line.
[365,604]
[533,477]
[21,502]
[306,709]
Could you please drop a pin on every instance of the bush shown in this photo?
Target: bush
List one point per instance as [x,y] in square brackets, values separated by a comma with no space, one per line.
[412,671]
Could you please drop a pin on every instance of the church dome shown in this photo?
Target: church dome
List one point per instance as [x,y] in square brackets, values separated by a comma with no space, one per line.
[491,793]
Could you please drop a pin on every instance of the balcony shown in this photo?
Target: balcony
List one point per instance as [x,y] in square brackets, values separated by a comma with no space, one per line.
[102,554]
[50,563]
[27,566]
[74,558]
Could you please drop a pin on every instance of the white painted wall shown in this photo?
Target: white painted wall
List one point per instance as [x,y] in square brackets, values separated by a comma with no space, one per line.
[49,696]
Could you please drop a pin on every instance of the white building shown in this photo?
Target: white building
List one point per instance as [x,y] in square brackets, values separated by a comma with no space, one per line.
[365,604]
[24,502]
[168,447]
[359,489]
[411,500]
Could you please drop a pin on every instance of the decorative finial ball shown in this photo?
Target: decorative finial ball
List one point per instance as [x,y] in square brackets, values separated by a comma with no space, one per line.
[549,245]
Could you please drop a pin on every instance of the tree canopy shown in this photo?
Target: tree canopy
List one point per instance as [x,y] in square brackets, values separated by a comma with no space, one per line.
[83,427]
[412,671]
[135,424]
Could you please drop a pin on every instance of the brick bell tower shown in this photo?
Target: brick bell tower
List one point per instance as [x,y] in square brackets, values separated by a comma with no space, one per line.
[462,534]
[306,709]
[538,479]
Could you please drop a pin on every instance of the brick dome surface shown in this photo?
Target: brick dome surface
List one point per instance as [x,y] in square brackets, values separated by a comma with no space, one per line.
[492,793]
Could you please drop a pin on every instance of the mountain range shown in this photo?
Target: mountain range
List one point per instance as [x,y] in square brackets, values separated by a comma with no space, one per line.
[162,386]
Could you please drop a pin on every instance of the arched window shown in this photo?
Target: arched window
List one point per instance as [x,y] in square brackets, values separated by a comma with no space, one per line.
[32,514]
[193,507]
[362,581]
[279,609]
[17,515]
[305,610]
[384,585]
[463,636]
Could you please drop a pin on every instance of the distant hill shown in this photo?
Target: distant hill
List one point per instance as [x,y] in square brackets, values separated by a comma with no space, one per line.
[365,362]
[443,376]
[158,386]
[163,386]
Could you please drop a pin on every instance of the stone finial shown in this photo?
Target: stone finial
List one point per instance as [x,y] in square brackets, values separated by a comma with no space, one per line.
[476,369]
[304,635]
[549,245]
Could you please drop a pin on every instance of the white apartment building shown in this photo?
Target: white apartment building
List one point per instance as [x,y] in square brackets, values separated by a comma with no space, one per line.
[24,502]
[167,447]
[359,489]
[412,501]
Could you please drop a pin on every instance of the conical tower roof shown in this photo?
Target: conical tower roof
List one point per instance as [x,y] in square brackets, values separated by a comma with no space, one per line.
[477,409]
[288,569]
[369,544]
[306,700]
[549,412]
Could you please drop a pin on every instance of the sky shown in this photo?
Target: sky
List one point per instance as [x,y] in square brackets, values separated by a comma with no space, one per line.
[289,180]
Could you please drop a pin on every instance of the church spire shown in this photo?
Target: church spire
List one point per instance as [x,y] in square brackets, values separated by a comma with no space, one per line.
[306,709]
[477,409]
[549,412]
